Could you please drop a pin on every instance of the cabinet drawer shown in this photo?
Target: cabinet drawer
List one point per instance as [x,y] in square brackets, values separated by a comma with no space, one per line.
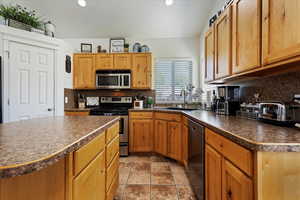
[112,132]
[87,153]
[89,183]
[113,188]
[237,154]
[111,150]
[168,116]
[112,171]
[141,115]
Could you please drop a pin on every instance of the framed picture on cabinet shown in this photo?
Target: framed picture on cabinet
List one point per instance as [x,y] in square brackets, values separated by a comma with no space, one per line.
[117,45]
[86,48]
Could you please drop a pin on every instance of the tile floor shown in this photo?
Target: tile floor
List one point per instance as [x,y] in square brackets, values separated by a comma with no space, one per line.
[152,178]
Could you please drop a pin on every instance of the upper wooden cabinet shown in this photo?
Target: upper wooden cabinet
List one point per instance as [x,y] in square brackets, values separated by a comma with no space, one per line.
[84,71]
[122,61]
[104,61]
[209,55]
[141,71]
[223,44]
[246,30]
[281,31]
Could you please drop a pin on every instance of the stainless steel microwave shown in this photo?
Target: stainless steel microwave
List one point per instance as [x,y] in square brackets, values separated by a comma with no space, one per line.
[113,79]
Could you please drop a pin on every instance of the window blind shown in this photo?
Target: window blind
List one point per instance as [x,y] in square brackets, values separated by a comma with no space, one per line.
[171,76]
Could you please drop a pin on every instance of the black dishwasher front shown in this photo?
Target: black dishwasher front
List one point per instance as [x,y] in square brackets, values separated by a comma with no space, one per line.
[195,169]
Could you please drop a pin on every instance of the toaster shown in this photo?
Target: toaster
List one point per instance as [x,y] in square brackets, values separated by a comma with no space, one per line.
[279,113]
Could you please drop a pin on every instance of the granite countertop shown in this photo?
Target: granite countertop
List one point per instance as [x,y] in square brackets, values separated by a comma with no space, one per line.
[31,145]
[252,134]
[77,109]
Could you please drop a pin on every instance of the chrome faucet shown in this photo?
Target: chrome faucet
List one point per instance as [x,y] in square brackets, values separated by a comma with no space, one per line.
[184,94]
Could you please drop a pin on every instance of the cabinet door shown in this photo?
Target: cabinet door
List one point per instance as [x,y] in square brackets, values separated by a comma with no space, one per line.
[84,71]
[122,61]
[209,59]
[141,135]
[213,174]
[281,32]
[104,62]
[160,137]
[89,183]
[235,184]
[246,28]
[141,71]
[185,144]
[174,140]
[223,45]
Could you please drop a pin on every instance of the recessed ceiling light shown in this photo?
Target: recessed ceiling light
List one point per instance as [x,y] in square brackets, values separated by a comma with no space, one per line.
[82,3]
[169,2]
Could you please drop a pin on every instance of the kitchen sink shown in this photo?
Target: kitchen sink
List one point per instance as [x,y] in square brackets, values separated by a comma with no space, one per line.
[184,109]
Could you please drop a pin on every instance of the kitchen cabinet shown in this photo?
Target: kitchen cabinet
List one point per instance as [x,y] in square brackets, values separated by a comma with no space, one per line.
[84,71]
[174,143]
[123,61]
[213,174]
[227,169]
[141,135]
[161,137]
[209,60]
[104,61]
[141,71]
[89,183]
[246,35]
[235,184]
[223,43]
[280,30]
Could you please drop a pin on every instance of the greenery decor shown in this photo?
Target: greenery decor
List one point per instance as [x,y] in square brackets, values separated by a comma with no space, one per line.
[20,14]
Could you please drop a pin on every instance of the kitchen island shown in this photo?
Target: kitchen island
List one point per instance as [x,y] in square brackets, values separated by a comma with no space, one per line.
[59,158]
[244,159]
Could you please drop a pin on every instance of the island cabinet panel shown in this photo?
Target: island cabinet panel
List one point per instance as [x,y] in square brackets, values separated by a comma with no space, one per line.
[46,184]
[223,45]
[280,29]
[141,135]
[89,183]
[209,60]
[104,61]
[84,71]
[174,140]
[161,137]
[235,184]
[111,150]
[246,29]
[213,174]
[141,71]
[84,155]
[122,61]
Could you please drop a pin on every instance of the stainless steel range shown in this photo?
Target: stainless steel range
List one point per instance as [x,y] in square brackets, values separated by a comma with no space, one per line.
[116,106]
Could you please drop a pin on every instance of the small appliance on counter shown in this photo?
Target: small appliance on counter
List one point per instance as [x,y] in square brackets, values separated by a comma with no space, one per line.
[92,101]
[280,113]
[228,101]
[138,104]
[249,111]
[81,101]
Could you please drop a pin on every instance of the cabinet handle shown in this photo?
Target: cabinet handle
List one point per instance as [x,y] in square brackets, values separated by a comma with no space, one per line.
[229,195]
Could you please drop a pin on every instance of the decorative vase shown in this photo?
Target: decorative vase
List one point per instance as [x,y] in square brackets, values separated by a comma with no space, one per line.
[50,29]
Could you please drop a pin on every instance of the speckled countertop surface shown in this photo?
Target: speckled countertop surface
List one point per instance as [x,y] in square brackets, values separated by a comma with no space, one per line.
[252,134]
[31,145]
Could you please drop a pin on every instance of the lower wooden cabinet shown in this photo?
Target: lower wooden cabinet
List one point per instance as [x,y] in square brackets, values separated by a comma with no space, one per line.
[174,143]
[141,135]
[89,183]
[213,174]
[235,184]
[161,137]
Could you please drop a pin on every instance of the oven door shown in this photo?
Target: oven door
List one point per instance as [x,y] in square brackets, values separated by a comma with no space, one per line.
[108,81]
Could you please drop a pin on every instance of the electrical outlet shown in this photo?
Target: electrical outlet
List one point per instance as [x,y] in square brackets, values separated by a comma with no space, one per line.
[66,99]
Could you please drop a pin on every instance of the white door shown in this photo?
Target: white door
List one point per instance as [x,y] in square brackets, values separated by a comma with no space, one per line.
[31,82]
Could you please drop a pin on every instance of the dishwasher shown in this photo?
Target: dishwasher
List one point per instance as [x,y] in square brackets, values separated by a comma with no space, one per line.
[195,170]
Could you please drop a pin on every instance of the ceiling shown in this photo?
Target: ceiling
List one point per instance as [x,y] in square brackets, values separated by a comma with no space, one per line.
[124,18]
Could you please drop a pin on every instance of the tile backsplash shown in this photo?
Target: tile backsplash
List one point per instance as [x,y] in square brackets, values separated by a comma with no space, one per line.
[73,94]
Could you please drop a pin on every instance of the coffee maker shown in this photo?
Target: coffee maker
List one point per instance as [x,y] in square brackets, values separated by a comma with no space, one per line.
[228,101]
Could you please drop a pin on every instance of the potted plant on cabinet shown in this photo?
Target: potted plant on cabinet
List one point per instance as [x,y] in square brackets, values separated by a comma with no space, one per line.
[20,17]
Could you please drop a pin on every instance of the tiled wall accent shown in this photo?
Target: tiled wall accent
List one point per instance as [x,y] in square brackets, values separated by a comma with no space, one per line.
[73,94]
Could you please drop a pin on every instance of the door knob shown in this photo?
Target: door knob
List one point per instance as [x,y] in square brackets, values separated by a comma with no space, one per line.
[50,109]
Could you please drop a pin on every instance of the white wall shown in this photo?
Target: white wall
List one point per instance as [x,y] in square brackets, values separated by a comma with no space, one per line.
[160,48]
